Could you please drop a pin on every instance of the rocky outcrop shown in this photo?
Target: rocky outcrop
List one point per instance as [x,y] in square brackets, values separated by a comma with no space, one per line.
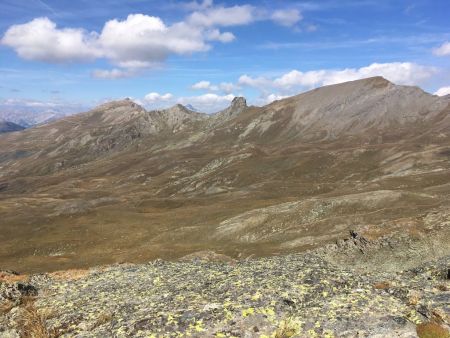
[238,105]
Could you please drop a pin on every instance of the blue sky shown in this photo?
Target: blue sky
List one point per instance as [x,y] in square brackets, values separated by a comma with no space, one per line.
[70,53]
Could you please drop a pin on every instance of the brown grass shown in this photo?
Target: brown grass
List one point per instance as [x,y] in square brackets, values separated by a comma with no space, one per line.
[382,285]
[11,278]
[432,330]
[68,275]
[5,307]
[32,323]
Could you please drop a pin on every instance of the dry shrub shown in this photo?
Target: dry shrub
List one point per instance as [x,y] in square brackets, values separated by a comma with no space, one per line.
[32,323]
[5,307]
[287,328]
[432,330]
[382,285]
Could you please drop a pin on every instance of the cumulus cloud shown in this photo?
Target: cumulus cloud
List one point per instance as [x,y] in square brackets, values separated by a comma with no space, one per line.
[216,35]
[225,87]
[139,41]
[266,99]
[157,98]
[287,17]
[398,72]
[256,82]
[41,40]
[443,50]
[203,85]
[223,16]
[443,91]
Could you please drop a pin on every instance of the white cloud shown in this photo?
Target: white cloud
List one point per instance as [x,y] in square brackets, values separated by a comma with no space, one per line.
[287,17]
[139,41]
[216,35]
[443,91]
[226,87]
[202,85]
[443,50]
[223,16]
[298,78]
[157,98]
[398,72]
[271,97]
[41,40]
[256,82]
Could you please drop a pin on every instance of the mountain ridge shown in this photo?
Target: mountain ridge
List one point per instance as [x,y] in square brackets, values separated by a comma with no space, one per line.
[131,184]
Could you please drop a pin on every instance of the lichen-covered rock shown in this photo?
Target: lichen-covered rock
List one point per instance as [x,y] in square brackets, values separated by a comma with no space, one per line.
[14,292]
[296,295]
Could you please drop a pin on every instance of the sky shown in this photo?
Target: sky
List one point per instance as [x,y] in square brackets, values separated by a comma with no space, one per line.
[61,53]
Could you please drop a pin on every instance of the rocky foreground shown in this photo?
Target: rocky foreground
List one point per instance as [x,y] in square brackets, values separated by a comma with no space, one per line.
[210,295]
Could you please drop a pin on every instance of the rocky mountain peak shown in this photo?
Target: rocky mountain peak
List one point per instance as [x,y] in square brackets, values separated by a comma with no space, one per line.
[238,102]
[376,80]
[119,104]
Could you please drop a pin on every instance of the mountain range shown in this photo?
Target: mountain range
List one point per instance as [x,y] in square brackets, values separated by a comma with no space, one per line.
[120,183]
[28,114]
[6,127]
